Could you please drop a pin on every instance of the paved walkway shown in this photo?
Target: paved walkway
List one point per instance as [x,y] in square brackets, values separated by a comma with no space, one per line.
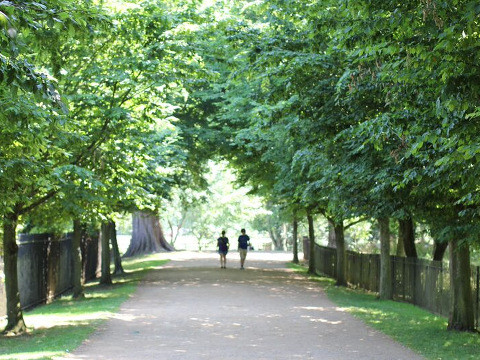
[192,309]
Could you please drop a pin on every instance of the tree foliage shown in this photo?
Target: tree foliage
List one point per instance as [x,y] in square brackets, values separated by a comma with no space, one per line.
[358,109]
[349,109]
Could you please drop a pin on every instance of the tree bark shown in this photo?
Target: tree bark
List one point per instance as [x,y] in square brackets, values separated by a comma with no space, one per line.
[386,291]
[277,238]
[461,314]
[105,277]
[285,236]
[311,235]
[15,322]
[331,234]
[175,231]
[439,250]
[272,237]
[341,253]
[400,242]
[295,239]
[117,259]
[53,267]
[77,260]
[147,235]
[406,229]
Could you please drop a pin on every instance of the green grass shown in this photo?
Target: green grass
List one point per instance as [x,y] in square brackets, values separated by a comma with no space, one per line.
[417,329]
[60,327]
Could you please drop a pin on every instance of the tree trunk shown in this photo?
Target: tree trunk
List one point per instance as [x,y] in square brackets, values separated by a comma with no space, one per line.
[461,314]
[77,260]
[400,242]
[15,322]
[173,237]
[331,234]
[280,240]
[175,230]
[295,239]
[147,235]
[105,277]
[306,248]
[52,267]
[439,250]
[406,229]
[311,235]
[341,253]
[276,237]
[117,259]
[272,237]
[386,290]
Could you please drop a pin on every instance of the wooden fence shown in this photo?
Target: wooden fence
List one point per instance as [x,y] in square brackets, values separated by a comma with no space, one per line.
[420,282]
[45,267]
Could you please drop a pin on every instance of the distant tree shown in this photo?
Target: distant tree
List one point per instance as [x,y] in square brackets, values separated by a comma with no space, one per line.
[147,235]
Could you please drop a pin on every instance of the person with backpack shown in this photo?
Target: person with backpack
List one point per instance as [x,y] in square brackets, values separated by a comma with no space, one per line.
[243,244]
[223,245]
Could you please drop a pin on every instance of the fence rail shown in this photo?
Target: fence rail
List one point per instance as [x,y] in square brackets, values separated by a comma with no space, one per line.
[420,282]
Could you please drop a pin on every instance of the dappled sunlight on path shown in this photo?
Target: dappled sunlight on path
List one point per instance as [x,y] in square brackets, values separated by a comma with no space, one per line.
[192,309]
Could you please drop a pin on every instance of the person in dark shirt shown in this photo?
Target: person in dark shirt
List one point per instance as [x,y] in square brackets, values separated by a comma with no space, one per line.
[223,244]
[243,244]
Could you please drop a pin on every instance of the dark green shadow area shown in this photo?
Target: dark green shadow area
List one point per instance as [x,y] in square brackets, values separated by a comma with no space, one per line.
[60,327]
[417,329]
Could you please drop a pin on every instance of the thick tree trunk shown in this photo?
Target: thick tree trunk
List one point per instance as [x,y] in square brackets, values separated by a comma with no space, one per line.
[105,277]
[77,260]
[15,322]
[331,234]
[311,235]
[386,290]
[117,259]
[406,229]
[295,239]
[147,235]
[341,253]
[439,250]
[461,314]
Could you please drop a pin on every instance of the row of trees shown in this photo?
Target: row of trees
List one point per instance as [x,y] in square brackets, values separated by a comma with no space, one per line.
[350,109]
[357,110]
[94,119]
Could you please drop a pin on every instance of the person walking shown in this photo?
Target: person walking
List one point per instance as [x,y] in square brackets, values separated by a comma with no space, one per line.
[243,244]
[223,244]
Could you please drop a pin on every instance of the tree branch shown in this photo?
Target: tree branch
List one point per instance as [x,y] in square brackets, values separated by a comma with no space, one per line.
[355,222]
[40,201]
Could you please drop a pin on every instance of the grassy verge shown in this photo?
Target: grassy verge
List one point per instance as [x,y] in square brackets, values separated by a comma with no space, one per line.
[417,329]
[60,327]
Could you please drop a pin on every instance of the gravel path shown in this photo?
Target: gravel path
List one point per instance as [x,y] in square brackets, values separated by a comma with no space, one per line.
[192,309]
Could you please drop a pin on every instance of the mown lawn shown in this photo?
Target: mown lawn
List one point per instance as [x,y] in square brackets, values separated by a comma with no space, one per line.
[418,329]
[60,327]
